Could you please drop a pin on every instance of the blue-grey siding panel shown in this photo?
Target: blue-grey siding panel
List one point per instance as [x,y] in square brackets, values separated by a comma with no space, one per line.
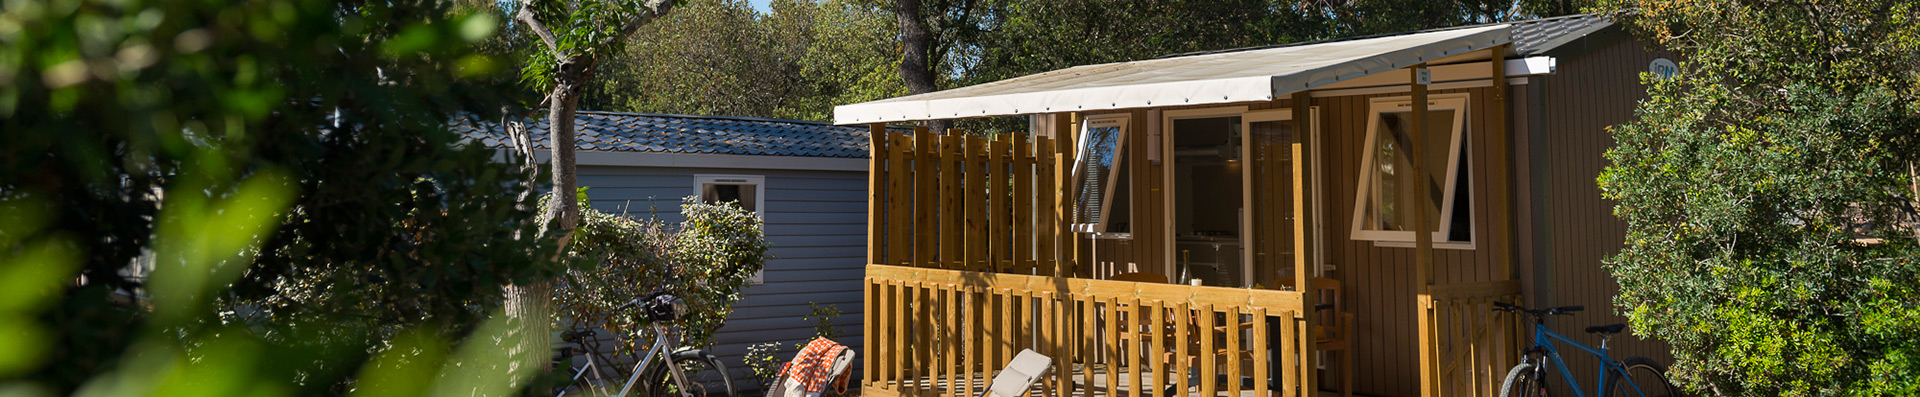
[816,222]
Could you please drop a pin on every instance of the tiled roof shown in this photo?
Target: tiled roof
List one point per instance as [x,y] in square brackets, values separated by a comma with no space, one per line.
[668,133]
[1530,37]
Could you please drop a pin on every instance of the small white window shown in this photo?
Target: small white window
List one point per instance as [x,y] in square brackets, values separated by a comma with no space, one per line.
[1100,170]
[1378,213]
[748,191]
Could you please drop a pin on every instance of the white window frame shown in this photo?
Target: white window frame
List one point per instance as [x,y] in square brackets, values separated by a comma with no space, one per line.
[759,182]
[1456,157]
[1080,158]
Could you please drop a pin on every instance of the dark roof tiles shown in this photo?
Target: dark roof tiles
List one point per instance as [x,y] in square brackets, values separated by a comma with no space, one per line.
[667,133]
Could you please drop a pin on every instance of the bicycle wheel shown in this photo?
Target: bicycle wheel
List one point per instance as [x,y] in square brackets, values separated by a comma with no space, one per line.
[706,376]
[1523,381]
[1649,379]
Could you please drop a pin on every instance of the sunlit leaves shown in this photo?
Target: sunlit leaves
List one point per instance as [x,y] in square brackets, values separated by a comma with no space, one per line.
[705,260]
[1766,191]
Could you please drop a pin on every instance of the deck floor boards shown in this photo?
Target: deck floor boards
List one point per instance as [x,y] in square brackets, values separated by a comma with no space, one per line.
[1097,386]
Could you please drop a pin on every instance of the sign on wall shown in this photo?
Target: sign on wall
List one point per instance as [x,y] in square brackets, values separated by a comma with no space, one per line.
[1663,68]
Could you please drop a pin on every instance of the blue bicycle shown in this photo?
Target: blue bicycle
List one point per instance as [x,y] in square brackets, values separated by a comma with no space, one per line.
[1642,376]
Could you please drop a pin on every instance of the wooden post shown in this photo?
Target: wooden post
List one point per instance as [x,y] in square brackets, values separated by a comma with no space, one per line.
[1090,324]
[1306,255]
[976,198]
[900,204]
[1046,204]
[876,192]
[1023,199]
[926,182]
[902,358]
[1501,179]
[950,191]
[1421,197]
[1501,186]
[997,187]
[1064,242]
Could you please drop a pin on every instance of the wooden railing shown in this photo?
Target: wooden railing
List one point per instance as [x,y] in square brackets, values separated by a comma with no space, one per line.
[1473,344]
[968,203]
[937,332]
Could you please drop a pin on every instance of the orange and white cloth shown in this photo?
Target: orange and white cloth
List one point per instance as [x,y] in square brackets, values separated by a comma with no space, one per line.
[821,364]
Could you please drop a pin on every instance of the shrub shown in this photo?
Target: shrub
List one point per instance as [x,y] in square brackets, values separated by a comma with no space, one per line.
[705,260]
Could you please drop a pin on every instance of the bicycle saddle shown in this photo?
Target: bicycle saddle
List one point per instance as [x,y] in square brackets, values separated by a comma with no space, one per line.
[1606,329]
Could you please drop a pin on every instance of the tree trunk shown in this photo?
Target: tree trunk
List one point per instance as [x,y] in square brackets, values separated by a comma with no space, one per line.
[564,209]
[531,304]
[916,67]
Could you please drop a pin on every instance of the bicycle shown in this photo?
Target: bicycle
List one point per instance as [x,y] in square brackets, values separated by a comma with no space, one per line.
[1643,376]
[692,373]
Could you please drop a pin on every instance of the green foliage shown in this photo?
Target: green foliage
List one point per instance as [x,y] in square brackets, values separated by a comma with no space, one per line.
[723,57]
[822,318]
[706,261]
[763,361]
[271,179]
[580,29]
[1768,194]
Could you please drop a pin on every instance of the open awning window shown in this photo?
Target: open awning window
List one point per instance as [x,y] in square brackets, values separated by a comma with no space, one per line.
[1100,170]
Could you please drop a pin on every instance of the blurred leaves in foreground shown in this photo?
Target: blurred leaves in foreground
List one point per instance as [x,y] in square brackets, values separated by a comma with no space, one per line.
[260,197]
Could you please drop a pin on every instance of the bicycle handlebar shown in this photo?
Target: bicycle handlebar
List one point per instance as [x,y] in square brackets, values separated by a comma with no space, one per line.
[658,306]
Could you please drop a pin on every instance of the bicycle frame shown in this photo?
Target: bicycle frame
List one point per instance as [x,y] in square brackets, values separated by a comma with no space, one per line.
[659,349]
[1542,341]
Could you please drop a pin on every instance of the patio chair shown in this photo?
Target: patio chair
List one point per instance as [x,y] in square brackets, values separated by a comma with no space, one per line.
[1335,331]
[1025,369]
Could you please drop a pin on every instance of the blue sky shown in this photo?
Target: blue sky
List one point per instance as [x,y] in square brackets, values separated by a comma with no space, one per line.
[761,5]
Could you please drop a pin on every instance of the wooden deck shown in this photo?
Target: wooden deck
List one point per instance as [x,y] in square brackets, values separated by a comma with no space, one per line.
[1084,387]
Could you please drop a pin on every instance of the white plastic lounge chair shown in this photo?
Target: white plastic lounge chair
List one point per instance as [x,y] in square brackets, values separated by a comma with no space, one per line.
[1027,367]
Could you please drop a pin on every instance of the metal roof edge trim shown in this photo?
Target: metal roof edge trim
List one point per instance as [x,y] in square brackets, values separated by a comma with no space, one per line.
[1237,89]
[1393,60]
[1228,88]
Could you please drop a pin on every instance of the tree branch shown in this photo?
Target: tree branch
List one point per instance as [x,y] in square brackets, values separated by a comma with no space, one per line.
[533,23]
[656,8]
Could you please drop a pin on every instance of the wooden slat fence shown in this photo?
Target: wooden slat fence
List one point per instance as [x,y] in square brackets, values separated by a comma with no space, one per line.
[941,332]
[963,202]
[1474,344]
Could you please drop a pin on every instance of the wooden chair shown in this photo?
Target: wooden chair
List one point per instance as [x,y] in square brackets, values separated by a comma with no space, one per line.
[1334,333]
[1144,336]
[1127,330]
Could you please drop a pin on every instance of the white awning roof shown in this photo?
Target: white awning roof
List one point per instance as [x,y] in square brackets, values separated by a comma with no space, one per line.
[1239,76]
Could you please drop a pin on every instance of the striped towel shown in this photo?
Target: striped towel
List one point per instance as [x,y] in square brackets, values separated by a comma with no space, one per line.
[810,372]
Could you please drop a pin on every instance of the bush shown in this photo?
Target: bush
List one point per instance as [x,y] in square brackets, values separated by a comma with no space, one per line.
[1768,191]
[705,260]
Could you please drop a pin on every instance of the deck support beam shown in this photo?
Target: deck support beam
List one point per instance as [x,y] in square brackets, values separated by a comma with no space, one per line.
[1420,196]
[1501,182]
[1306,255]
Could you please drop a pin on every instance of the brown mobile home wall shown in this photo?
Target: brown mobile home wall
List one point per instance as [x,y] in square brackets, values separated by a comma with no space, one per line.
[1380,280]
[1563,229]
[1568,229]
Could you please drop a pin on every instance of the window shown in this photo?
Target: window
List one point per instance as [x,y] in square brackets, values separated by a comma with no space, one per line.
[1379,212]
[744,190]
[1100,168]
